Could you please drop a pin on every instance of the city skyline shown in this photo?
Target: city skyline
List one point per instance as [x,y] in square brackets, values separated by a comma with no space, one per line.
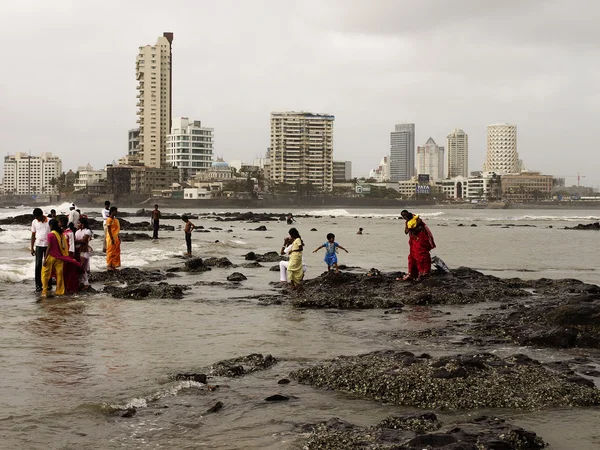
[349,60]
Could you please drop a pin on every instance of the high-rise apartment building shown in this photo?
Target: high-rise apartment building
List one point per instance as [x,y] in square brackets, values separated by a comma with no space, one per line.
[430,160]
[502,156]
[457,146]
[154,76]
[302,149]
[29,175]
[402,152]
[189,147]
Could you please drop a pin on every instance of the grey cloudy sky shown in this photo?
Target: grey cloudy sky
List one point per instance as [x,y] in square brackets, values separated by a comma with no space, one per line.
[67,80]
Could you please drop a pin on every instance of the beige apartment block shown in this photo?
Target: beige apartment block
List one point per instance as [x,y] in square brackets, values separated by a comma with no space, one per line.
[457,146]
[527,186]
[154,75]
[302,149]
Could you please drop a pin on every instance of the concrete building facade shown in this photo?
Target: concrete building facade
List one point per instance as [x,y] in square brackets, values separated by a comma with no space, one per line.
[430,160]
[342,171]
[87,175]
[527,186]
[31,175]
[301,149]
[502,156]
[133,142]
[189,147]
[457,147]
[481,186]
[382,173]
[402,152]
[154,76]
[132,180]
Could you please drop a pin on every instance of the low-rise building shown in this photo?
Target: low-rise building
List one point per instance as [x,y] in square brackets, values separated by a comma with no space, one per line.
[527,186]
[479,186]
[130,180]
[87,175]
[196,193]
[219,171]
[31,175]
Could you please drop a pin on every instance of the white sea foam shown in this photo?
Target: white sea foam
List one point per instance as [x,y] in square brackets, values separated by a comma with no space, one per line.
[14,235]
[142,402]
[17,271]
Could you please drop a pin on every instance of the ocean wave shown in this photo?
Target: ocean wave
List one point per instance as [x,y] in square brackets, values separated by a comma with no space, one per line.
[142,402]
[522,218]
[13,235]
[16,273]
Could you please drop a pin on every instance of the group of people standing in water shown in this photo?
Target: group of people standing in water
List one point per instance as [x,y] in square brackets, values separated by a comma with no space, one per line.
[61,246]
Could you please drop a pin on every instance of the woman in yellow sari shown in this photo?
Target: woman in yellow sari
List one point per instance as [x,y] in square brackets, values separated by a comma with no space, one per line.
[56,256]
[113,243]
[294,271]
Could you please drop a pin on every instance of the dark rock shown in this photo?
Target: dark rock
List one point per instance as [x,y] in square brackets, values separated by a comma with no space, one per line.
[473,224]
[243,365]
[261,228]
[590,226]
[195,265]
[252,265]
[313,229]
[217,407]
[129,413]
[131,237]
[274,268]
[469,381]
[236,276]
[283,381]
[198,377]
[277,398]
[217,262]
[129,275]
[143,291]
[267,257]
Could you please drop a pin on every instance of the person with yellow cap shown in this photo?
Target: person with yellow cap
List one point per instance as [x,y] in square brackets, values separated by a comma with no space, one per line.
[420,243]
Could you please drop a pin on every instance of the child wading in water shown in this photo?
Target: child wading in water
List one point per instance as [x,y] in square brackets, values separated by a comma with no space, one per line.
[189,227]
[330,252]
[294,270]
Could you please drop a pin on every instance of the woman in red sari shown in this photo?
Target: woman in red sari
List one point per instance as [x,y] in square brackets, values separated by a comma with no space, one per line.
[420,243]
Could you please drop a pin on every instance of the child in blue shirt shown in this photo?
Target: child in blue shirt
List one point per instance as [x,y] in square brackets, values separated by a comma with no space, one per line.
[330,252]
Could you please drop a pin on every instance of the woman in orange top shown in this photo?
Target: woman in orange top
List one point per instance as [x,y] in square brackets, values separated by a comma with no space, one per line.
[113,243]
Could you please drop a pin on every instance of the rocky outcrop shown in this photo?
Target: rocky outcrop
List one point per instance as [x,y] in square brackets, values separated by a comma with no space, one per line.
[267,257]
[131,237]
[243,365]
[464,381]
[237,276]
[146,291]
[589,226]
[421,431]
[23,219]
[129,275]
[217,262]
[195,265]
[381,290]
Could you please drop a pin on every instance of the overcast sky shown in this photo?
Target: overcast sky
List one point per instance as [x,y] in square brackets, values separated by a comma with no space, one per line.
[67,77]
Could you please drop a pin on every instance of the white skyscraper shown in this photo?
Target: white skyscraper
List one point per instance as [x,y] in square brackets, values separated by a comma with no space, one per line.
[27,175]
[189,147]
[457,146]
[302,149]
[502,156]
[154,75]
[402,152]
[430,160]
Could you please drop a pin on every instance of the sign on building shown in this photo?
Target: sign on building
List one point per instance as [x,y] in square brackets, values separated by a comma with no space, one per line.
[423,189]
[423,178]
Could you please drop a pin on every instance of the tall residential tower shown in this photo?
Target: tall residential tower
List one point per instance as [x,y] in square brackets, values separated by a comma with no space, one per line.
[302,149]
[430,160]
[402,152]
[154,74]
[189,147]
[502,156]
[457,146]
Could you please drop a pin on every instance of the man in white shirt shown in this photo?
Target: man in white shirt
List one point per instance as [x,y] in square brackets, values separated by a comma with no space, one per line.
[105,215]
[40,229]
[283,265]
[73,216]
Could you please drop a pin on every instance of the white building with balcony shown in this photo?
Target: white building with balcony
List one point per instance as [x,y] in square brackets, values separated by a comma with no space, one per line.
[87,174]
[31,175]
[190,147]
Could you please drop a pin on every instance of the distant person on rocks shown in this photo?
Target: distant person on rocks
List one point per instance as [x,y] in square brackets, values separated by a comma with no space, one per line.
[113,242]
[290,219]
[283,265]
[40,229]
[83,250]
[70,273]
[155,219]
[360,230]
[420,242]
[294,270]
[73,216]
[52,214]
[56,257]
[105,215]
[189,227]
[331,249]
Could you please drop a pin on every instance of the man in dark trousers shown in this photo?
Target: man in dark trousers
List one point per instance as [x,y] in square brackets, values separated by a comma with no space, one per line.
[155,221]
[40,229]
